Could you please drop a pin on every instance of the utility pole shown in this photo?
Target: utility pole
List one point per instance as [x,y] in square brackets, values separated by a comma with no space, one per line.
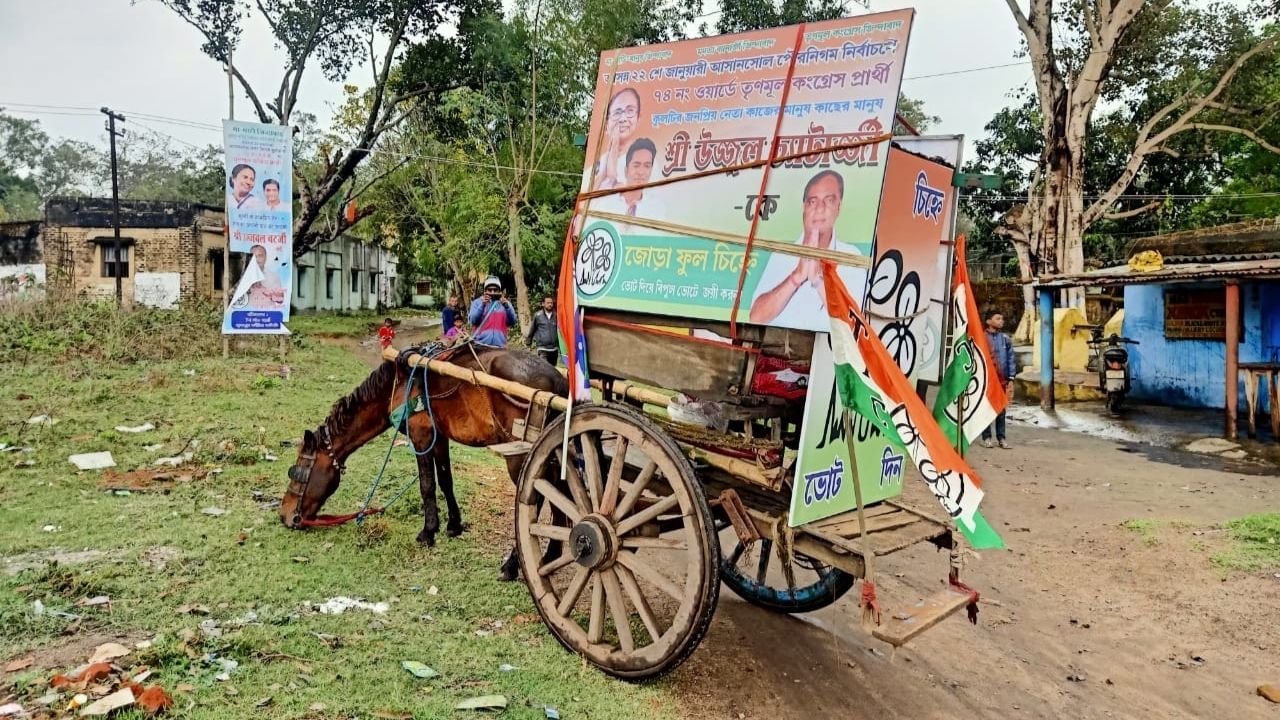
[112,117]
[226,212]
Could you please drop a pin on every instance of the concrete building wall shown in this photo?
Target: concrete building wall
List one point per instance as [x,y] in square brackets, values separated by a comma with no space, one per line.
[1192,373]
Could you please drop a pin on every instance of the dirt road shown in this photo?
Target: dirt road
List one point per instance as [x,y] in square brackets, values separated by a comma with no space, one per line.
[1076,595]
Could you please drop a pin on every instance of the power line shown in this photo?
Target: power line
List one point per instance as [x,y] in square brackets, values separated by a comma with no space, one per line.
[983,68]
[1171,196]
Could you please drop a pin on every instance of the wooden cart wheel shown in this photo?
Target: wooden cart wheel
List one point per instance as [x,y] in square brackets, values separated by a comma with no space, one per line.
[621,556]
[755,574]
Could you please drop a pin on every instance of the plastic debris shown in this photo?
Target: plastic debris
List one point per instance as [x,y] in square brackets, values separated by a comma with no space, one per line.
[145,427]
[484,702]
[94,601]
[11,709]
[50,528]
[213,511]
[419,670]
[42,420]
[37,608]
[552,713]
[92,461]
[153,448]
[506,667]
[341,604]
[175,461]
[433,590]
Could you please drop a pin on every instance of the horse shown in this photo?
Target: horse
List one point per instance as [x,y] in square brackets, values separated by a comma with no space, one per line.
[456,410]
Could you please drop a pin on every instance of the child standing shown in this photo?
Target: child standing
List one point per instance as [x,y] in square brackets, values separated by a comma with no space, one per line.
[453,334]
[386,334]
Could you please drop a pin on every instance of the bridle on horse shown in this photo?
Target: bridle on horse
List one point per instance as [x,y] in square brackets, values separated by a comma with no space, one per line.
[300,477]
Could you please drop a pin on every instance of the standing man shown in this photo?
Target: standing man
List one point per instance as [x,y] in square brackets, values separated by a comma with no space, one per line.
[1002,355]
[491,315]
[543,333]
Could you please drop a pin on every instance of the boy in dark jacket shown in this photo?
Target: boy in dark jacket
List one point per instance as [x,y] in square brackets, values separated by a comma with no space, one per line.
[1002,355]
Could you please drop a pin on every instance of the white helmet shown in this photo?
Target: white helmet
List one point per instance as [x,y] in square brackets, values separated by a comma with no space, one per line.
[492,281]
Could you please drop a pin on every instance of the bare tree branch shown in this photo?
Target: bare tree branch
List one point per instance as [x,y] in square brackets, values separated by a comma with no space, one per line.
[1238,131]
[1120,215]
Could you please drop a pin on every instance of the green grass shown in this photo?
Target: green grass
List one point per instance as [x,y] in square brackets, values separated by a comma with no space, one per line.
[244,560]
[360,324]
[1256,545]
[1145,528]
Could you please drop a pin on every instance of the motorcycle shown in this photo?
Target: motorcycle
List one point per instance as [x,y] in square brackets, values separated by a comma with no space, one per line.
[1110,360]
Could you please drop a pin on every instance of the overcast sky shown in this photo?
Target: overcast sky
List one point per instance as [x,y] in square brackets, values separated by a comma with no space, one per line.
[140,59]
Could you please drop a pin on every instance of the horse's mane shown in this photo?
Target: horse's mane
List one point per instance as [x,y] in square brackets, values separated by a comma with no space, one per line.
[374,388]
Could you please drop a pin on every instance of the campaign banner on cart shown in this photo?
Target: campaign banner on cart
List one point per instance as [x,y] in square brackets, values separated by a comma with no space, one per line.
[819,98]
[259,176]
[906,297]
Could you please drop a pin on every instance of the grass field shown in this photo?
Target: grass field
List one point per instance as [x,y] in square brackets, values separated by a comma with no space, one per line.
[154,550]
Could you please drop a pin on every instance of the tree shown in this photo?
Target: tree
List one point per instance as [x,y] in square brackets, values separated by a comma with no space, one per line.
[149,168]
[743,15]
[34,167]
[1171,67]
[335,35]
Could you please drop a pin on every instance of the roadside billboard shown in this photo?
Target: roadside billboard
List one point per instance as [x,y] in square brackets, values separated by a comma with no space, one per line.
[259,187]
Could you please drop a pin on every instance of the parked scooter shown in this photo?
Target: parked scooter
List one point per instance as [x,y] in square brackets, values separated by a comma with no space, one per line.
[1111,361]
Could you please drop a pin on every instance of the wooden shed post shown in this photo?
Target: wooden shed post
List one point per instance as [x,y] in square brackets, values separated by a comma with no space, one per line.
[1046,349]
[1233,356]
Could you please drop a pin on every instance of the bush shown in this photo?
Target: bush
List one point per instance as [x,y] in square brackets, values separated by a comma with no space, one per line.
[53,329]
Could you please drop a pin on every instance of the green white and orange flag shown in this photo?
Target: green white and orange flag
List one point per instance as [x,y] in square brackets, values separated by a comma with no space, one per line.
[872,385]
[970,381]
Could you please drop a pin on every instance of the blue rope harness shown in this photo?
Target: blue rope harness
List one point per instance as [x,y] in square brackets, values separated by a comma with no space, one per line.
[426,353]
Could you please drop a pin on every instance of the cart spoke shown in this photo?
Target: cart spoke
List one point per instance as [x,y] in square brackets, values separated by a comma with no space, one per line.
[576,489]
[633,493]
[558,499]
[762,567]
[618,609]
[553,532]
[609,501]
[595,628]
[573,592]
[658,543]
[564,560]
[737,555]
[648,514]
[638,601]
[590,449]
[644,571]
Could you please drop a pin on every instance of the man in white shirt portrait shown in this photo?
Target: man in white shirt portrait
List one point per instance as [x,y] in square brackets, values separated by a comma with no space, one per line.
[635,203]
[791,293]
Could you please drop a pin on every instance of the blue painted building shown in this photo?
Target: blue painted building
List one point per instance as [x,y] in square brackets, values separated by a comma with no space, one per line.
[1182,292]
[1192,372]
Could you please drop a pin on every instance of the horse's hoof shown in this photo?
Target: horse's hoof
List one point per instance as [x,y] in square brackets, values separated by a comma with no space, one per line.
[505,575]
[426,538]
[454,531]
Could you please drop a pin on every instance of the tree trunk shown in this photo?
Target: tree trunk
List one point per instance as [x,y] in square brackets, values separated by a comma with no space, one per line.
[515,256]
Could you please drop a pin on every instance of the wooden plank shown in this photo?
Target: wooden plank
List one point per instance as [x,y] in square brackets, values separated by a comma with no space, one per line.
[892,541]
[707,370]
[880,523]
[509,449]
[926,613]
[871,511]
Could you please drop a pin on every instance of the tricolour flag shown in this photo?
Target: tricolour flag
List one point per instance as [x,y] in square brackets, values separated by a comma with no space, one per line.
[872,385]
[970,381]
[573,344]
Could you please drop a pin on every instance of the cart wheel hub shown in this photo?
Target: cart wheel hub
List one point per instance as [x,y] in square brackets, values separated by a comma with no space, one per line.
[593,542]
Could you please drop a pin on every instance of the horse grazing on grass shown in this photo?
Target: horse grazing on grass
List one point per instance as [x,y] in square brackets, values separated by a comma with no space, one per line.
[459,411]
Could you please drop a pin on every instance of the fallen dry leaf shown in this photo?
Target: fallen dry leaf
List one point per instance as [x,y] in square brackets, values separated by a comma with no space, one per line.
[109,651]
[192,609]
[19,664]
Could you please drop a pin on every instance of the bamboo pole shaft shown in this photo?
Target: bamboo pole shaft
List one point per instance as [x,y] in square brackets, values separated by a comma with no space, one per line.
[483,379]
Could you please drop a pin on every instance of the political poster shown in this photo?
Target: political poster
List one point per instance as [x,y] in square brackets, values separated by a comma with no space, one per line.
[905,306]
[259,177]
[906,297]
[678,177]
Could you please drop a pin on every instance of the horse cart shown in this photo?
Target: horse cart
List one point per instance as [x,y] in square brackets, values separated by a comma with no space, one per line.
[624,551]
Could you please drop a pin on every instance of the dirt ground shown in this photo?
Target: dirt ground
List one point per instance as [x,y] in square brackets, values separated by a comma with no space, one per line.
[1075,595]
[1081,616]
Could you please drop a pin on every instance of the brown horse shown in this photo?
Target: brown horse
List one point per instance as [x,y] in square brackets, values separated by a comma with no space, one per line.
[459,411]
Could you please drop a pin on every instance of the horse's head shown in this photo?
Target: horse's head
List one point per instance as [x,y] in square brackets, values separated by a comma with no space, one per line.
[312,479]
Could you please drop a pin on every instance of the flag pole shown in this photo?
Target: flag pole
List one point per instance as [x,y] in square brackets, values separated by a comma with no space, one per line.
[871,608]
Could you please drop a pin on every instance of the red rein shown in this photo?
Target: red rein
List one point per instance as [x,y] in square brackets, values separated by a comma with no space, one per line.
[331,520]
